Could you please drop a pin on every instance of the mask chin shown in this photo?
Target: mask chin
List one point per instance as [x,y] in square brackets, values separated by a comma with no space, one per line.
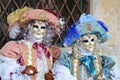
[36,40]
[86,48]
[38,36]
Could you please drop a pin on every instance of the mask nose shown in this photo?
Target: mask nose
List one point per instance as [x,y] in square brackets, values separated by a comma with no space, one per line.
[39,29]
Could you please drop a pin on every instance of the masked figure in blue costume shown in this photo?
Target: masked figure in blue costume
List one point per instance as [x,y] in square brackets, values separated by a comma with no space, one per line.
[85,62]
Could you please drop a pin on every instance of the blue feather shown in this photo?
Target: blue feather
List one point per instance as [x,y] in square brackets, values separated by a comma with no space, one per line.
[103,25]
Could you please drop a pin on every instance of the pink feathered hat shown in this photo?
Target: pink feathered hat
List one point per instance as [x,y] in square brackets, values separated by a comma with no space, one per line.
[25,15]
[42,15]
[22,17]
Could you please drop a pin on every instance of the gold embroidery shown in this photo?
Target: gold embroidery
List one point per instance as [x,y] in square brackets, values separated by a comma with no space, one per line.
[100,76]
[77,71]
[51,58]
[25,56]
[34,58]
[97,64]
[30,52]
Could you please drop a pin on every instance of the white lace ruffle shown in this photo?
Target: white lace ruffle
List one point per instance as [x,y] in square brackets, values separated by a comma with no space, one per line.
[11,70]
[61,72]
[42,67]
[115,73]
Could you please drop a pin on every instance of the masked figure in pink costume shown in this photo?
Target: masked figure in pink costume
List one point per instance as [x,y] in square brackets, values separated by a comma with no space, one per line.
[30,58]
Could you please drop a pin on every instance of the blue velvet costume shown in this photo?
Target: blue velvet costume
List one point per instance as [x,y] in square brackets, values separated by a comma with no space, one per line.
[106,62]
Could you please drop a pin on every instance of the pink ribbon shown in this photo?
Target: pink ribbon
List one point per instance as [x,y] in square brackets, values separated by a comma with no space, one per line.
[21,61]
[41,45]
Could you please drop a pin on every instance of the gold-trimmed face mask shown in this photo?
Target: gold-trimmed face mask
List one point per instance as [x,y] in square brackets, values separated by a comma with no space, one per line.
[38,29]
[88,42]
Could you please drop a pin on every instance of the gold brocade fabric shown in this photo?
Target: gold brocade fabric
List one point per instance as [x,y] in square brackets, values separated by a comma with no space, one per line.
[97,64]
[76,66]
[33,56]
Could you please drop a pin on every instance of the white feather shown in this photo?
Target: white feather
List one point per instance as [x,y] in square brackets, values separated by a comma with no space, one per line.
[14,31]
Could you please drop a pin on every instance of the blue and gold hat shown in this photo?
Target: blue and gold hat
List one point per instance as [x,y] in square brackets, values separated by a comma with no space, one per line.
[86,25]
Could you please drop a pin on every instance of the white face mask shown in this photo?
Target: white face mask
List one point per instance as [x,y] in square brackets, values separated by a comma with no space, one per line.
[38,29]
[88,42]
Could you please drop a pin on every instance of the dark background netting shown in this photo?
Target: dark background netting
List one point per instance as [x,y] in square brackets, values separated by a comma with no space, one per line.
[69,9]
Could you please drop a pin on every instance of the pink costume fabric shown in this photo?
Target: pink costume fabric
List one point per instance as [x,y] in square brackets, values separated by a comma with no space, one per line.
[10,67]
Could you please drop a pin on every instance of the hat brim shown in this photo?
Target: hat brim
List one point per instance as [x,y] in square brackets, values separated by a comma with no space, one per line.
[38,14]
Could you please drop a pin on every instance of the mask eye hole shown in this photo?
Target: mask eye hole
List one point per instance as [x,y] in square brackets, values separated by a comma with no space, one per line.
[92,40]
[35,26]
[85,41]
[43,27]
